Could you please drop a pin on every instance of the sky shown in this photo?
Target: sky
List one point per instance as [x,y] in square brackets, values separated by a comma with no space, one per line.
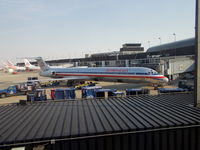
[72,28]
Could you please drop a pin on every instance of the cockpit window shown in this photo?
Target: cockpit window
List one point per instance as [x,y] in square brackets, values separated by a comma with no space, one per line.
[153,72]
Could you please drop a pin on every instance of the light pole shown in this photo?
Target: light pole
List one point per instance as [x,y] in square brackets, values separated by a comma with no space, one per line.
[149,43]
[117,57]
[160,40]
[197,55]
[174,34]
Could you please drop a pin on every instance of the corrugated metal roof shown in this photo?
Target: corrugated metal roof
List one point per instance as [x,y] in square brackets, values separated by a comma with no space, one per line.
[56,120]
[173,45]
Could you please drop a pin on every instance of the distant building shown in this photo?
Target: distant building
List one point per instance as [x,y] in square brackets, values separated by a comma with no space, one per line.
[177,48]
[87,55]
[114,53]
[127,49]
[131,48]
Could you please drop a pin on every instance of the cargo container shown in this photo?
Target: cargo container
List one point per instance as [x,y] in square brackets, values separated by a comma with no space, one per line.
[170,90]
[60,94]
[105,93]
[70,93]
[90,92]
[37,95]
[130,92]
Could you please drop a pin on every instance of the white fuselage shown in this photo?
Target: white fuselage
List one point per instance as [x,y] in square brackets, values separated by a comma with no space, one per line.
[112,74]
[32,67]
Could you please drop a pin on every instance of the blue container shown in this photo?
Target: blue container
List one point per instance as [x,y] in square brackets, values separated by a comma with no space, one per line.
[101,92]
[40,95]
[70,93]
[89,92]
[59,94]
[170,90]
[12,90]
[30,97]
[136,91]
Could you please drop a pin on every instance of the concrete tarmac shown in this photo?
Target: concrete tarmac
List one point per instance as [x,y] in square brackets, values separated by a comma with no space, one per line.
[7,79]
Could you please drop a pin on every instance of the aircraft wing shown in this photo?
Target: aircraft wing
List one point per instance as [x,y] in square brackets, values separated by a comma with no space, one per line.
[65,79]
[58,79]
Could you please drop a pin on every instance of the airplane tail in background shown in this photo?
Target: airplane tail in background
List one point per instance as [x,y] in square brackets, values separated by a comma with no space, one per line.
[27,63]
[9,63]
[42,64]
[5,65]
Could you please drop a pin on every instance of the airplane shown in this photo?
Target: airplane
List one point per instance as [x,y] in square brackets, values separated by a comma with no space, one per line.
[1,68]
[7,68]
[112,74]
[12,68]
[29,66]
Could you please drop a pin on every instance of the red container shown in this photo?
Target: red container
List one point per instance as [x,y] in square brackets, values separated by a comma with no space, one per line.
[52,93]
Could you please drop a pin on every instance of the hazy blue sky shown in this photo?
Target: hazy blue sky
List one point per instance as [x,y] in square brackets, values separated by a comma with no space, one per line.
[71,28]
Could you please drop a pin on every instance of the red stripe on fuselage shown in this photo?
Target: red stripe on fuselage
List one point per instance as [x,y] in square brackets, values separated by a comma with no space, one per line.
[90,75]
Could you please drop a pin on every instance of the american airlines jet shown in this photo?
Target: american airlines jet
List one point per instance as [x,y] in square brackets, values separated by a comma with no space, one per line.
[111,74]
[12,68]
[29,66]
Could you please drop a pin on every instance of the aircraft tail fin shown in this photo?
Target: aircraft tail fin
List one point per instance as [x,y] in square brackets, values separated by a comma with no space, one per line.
[9,63]
[42,64]
[5,64]
[27,63]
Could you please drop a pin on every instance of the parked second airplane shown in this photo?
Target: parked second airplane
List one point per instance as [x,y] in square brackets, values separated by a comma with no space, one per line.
[29,66]
[12,68]
[111,74]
